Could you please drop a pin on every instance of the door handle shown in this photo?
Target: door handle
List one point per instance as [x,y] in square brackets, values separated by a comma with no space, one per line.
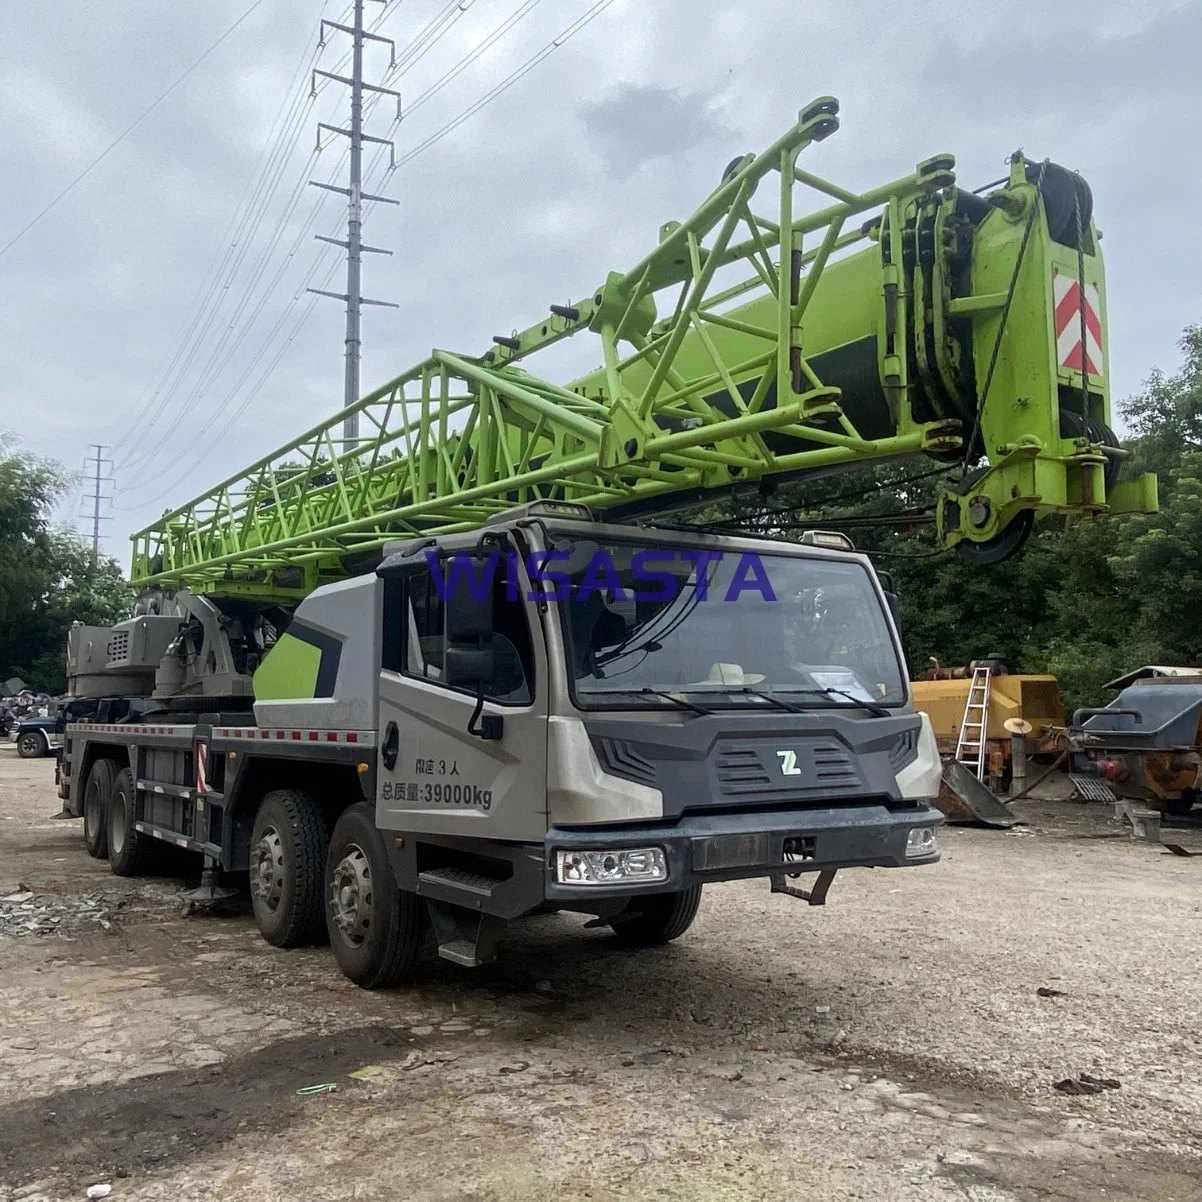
[392,746]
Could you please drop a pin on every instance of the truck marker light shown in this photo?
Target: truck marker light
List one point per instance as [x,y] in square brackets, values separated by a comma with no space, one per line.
[361,768]
[920,841]
[638,865]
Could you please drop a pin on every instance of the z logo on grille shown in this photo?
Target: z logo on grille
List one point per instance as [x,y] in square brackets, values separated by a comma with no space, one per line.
[788,763]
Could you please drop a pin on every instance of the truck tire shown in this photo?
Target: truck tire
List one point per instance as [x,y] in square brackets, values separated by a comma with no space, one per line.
[657,918]
[32,745]
[287,868]
[97,794]
[129,849]
[376,930]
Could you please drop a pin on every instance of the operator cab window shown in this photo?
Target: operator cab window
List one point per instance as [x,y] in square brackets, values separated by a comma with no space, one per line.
[425,624]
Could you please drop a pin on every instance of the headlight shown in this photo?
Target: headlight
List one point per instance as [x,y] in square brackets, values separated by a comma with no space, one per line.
[635,866]
[920,841]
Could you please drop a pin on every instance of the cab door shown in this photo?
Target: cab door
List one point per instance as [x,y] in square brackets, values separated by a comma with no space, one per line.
[434,775]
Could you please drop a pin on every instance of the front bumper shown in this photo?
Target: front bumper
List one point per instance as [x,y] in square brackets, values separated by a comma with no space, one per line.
[726,847]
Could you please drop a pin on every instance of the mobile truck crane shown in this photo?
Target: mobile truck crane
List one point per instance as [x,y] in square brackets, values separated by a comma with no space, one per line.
[442,662]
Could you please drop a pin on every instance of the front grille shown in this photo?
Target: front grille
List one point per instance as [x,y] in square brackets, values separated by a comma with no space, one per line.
[741,766]
[818,767]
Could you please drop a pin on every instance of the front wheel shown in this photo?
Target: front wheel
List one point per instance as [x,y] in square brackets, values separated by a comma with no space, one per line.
[32,745]
[657,918]
[376,930]
[287,860]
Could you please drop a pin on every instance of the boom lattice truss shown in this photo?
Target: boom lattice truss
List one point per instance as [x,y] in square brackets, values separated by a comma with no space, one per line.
[684,403]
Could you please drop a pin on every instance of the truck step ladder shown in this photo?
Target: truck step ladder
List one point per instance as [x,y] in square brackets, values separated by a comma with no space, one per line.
[970,748]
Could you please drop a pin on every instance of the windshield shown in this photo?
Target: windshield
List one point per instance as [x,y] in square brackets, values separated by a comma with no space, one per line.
[721,627]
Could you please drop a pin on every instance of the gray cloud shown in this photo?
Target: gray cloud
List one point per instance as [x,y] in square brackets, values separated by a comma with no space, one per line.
[640,124]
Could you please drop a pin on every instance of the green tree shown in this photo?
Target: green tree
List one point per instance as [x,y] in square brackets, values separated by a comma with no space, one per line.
[48,575]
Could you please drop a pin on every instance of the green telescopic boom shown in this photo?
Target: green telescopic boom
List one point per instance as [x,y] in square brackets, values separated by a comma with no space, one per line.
[746,349]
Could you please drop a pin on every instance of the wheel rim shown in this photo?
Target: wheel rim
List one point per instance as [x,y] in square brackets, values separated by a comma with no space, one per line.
[117,825]
[351,903]
[267,870]
[30,743]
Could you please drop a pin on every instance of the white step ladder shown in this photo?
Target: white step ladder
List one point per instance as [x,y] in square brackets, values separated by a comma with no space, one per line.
[970,748]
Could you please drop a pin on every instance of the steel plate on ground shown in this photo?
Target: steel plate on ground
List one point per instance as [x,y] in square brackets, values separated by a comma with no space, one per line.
[963,798]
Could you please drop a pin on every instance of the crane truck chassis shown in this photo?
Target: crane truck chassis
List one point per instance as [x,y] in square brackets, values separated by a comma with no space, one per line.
[317,689]
[652,712]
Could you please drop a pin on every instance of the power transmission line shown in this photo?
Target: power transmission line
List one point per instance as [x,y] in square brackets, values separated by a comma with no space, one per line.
[520,72]
[129,129]
[214,361]
[505,84]
[230,239]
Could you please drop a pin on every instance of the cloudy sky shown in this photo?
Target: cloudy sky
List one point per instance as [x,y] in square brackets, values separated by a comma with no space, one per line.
[160,307]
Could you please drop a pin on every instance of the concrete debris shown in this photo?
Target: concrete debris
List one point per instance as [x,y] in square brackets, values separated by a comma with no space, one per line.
[28,912]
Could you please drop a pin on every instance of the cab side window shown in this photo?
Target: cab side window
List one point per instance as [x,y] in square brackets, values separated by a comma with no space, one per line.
[421,613]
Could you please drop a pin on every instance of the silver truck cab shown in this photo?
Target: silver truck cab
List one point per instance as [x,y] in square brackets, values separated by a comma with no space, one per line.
[584,716]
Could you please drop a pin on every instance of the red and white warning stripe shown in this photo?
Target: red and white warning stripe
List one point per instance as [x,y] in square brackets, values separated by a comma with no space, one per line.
[202,768]
[367,737]
[1067,295]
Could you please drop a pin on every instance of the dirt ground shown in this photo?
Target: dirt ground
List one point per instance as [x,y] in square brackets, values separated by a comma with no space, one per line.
[892,1045]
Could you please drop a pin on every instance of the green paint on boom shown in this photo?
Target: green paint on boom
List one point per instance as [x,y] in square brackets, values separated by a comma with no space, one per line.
[856,333]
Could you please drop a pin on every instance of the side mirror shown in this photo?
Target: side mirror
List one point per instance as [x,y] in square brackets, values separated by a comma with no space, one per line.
[468,613]
[468,664]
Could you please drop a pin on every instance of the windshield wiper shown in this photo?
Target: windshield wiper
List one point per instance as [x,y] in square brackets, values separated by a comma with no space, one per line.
[672,697]
[777,701]
[877,711]
[646,691]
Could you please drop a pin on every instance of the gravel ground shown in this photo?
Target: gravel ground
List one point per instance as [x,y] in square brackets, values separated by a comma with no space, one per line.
[892,1045]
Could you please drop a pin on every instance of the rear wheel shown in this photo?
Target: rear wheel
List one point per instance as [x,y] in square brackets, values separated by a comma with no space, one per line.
[657,918]
[287,863]
[129,849]
[32,744]
[97,794]
[376,930]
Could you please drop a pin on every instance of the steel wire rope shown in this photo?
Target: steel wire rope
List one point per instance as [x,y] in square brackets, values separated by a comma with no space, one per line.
[230,237]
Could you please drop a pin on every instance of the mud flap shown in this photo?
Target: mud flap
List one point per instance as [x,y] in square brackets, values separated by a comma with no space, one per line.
[963,799]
